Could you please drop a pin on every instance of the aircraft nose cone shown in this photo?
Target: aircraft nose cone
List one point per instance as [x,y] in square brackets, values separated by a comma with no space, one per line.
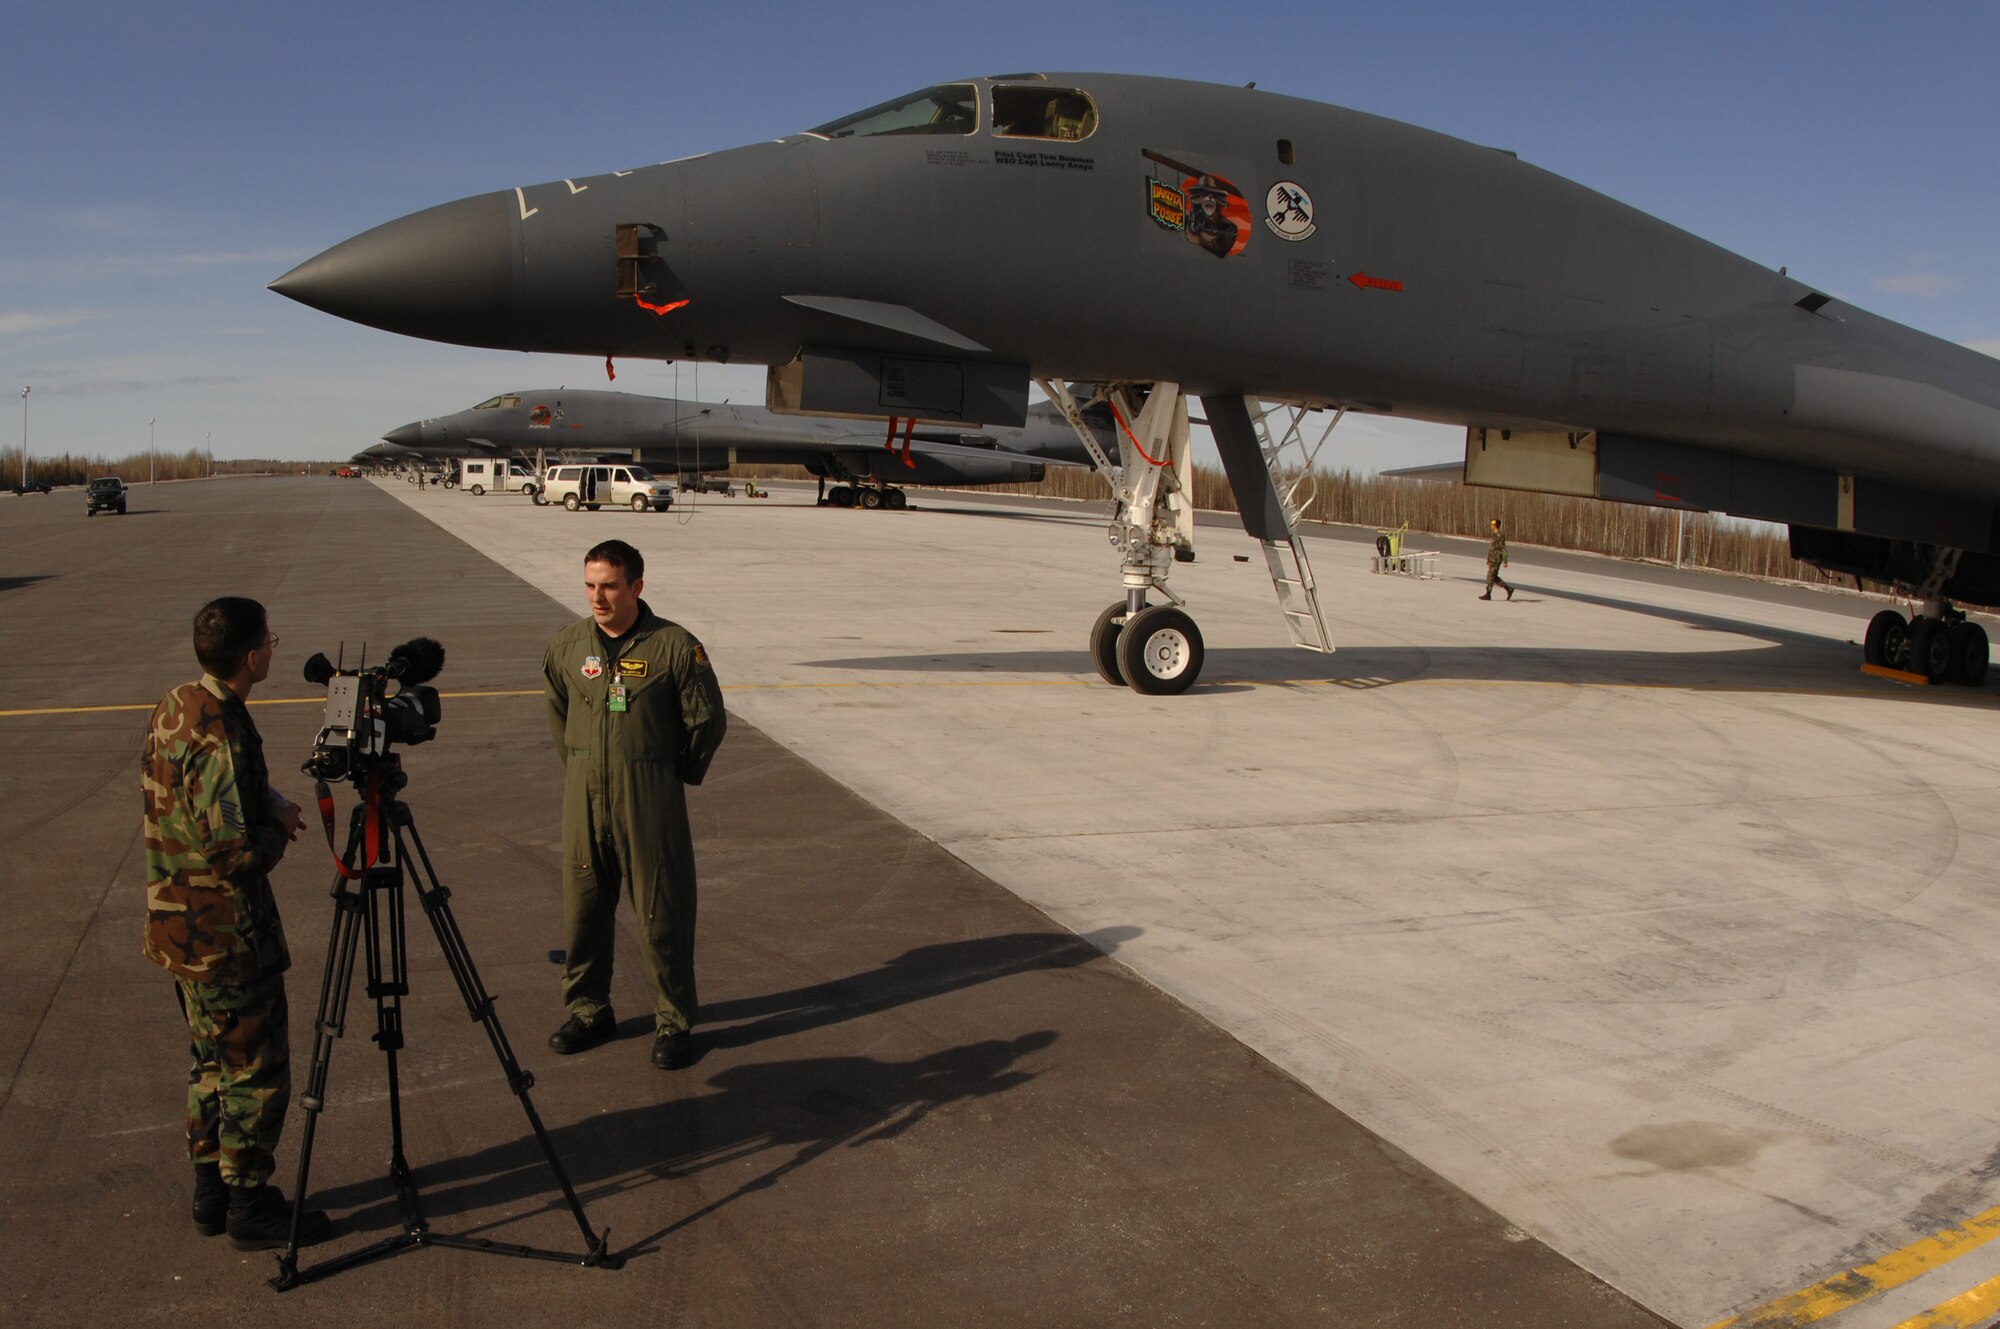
[405,436]
[444,274]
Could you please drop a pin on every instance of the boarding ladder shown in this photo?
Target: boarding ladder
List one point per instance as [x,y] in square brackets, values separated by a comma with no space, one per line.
[1280,429]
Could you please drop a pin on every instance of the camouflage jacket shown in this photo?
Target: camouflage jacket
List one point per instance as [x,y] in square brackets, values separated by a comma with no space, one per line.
[1496,550]
[211,839]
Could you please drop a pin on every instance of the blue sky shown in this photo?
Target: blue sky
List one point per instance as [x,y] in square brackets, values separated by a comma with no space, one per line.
[160,163]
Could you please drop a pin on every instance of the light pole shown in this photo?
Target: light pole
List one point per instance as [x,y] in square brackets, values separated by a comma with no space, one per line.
[24,438]
[150,448]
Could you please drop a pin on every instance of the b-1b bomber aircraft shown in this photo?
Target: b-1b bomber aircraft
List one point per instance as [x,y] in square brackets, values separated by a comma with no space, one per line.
[869,464]
[929,257]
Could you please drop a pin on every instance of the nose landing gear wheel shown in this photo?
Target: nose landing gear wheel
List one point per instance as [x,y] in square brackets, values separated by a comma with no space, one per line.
[1160,651]
[1104,636]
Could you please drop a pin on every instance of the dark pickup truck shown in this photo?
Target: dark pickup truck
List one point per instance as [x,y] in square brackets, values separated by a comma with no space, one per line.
[106,495]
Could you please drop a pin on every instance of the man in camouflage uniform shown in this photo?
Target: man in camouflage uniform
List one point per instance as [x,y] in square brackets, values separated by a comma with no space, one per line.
[214,828]
[637,715]
[1496,558]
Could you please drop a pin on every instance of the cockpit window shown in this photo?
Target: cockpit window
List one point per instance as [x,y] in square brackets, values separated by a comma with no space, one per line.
[1043,112]
[949,108]
[509,401]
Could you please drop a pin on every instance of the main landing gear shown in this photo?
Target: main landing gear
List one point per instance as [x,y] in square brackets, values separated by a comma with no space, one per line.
[872,495]
[1939,642]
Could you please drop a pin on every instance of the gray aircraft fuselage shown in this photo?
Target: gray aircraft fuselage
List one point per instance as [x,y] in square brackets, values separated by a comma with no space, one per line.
[1235,242]
[670,435]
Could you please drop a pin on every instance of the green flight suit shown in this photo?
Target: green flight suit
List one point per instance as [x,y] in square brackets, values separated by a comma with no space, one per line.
[624,803]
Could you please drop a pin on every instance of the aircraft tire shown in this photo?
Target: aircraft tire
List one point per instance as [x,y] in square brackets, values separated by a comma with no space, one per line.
[1969,654]
[1160,651]
[871,499]
[896,500]
[570,503]
[1104,644]
[541,500]
[840,496]
[640,503]
[1882,629]
[1930,649]
[592,507]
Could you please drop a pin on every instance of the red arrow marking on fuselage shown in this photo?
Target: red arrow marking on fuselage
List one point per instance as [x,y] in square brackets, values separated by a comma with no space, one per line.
[1364,281]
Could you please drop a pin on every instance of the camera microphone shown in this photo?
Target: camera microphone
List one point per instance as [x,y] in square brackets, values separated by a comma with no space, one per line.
[415,661]
[319,669]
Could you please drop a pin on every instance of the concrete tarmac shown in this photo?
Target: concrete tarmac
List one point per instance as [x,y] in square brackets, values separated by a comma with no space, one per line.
[1629,906]
[922,1100]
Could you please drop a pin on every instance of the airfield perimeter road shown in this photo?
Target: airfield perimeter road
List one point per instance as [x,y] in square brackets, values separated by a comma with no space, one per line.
[1623,928]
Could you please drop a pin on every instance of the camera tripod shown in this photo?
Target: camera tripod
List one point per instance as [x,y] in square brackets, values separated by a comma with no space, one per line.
[368,919]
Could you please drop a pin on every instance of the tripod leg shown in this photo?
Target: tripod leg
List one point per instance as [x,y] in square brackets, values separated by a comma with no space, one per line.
[329,1021]
[388,984]
[436,900]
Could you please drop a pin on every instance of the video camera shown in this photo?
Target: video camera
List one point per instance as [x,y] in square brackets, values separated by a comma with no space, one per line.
[363,717]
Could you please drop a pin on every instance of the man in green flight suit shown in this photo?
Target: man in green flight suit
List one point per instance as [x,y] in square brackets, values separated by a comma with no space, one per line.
[214,828]
[637,715]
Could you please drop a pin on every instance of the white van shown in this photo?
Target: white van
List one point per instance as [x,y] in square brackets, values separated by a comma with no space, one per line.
[617,483]
[476,475]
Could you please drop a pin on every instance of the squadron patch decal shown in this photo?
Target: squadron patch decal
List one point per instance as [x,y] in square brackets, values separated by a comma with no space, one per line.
[1288,211]
[593,667]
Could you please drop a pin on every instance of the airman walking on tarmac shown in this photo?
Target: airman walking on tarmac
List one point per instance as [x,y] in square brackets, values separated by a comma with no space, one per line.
[1496,558]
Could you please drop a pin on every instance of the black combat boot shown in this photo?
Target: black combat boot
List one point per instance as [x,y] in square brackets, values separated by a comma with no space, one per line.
[575,1035]
[261,1220]
[211,1199]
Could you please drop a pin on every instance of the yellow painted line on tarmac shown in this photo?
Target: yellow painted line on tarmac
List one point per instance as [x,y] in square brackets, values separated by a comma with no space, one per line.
[1832,1295]
[1962,1311]
[255,701]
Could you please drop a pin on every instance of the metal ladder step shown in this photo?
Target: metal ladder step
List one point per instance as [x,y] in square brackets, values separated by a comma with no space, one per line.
[1298,597]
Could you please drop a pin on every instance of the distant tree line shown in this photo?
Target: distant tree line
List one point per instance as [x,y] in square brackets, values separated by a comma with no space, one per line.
[68,468]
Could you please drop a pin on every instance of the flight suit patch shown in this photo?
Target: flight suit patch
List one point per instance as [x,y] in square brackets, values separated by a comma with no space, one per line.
[632,668]
[593,668]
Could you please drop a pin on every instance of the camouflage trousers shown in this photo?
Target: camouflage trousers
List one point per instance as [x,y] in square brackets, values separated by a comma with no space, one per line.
[241,1081]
